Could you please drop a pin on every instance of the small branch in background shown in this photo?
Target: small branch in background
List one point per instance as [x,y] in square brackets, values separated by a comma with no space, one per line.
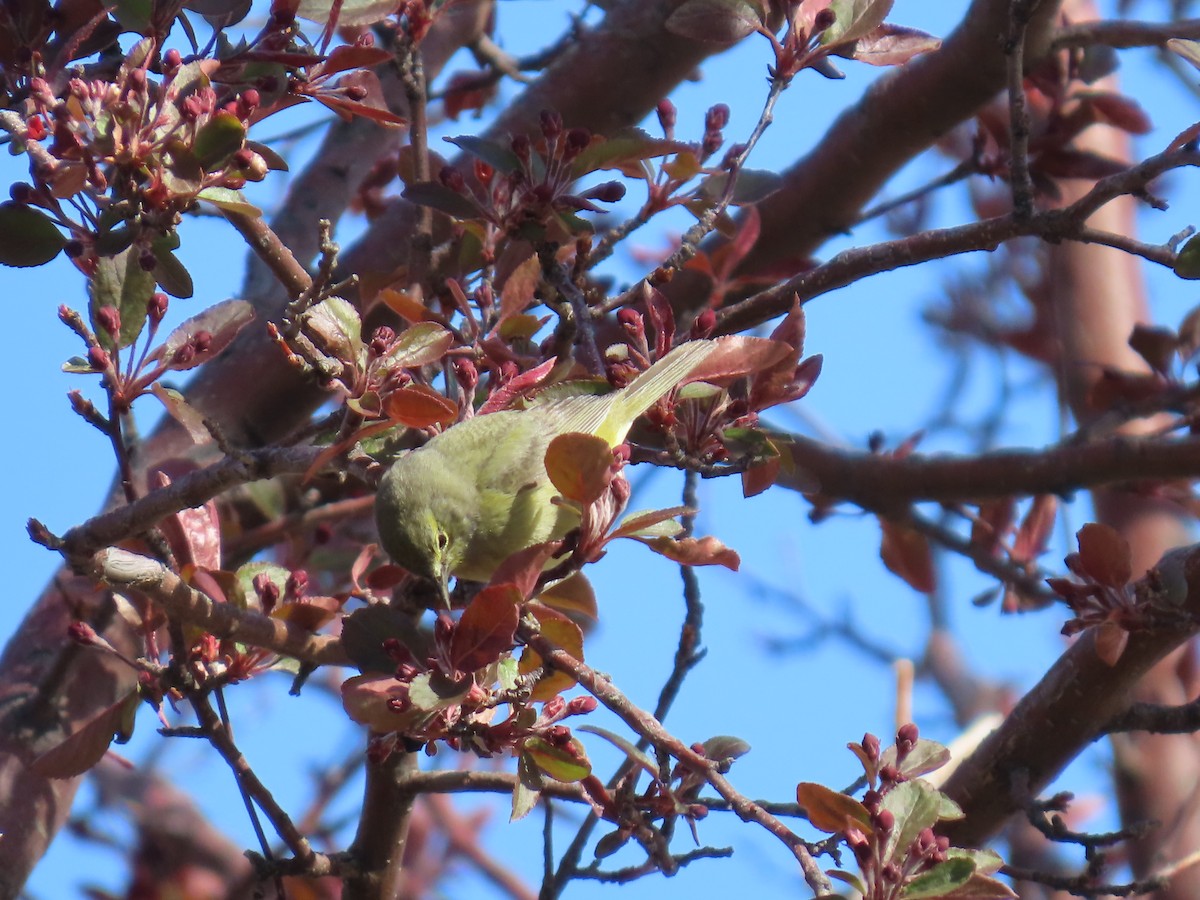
[1124,34]
[1157,719]
[1020,12]
[412,77]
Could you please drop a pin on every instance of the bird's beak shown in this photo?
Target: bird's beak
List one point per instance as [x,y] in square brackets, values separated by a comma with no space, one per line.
[443,584]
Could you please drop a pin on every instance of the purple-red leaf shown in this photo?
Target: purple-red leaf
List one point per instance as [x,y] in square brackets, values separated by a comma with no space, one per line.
[486,628]
[905,551]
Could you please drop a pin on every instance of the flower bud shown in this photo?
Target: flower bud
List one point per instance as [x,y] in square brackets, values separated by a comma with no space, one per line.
[98,358]
[452,178]
[667,116]
[551,124]
[705,324]
[108,319]
[716,118]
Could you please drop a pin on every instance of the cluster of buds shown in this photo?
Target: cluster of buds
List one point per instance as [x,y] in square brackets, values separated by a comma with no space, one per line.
[141,149]
[534,192]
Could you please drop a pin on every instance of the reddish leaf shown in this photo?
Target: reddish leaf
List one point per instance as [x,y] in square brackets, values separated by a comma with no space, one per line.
[1117,110]
[182,412]
[523,568]
[640,523]
[515,387]
[1035,528]
[87,746]
[705,551]
[580,466]
[220,323]
[758,478]
[193,533]
[906,553]
[419,406]
[310,613]
[486,628]
[1060,162]
[564,633]
[572,595]
[407,305]
[1111,640]
[992,524]
[891,45]
[1105,555]
[374,700]
[830,810]
[349,56]
[737,356]
[517,293]
[1156,344]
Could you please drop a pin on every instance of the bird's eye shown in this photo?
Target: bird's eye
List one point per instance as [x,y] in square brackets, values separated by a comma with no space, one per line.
[443,540]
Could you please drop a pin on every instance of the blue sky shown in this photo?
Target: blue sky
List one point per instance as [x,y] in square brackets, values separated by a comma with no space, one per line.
[883,371]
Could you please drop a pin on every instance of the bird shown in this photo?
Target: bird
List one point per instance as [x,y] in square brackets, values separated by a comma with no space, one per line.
[479,492]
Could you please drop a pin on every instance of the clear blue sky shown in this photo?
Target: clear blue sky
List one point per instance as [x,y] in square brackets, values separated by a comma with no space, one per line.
[882,372]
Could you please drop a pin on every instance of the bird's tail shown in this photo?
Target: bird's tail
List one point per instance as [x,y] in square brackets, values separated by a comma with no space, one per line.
[641,393]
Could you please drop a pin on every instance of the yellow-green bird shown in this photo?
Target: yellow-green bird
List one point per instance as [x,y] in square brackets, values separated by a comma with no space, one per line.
[478,493]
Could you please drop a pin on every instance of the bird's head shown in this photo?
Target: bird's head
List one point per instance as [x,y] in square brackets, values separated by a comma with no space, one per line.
[426,518]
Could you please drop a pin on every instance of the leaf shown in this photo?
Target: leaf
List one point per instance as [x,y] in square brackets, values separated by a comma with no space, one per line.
[170,274]
[218,139]
[724,746]
[376,701]
[632,753]
[940,880]
[855,19]
[497,155]
[562,763]
[122,283]
[751,186]
[580,466]
[980,887]
[433,691]
[925,757]
[738,356]
[830,810]
[230,201]
[371,105]
[892,45]
[28,237]
[182,412]
[486,628]
[624,150]
[221,322]
[419,406]
[514,387]
[87,746]
[1035,529]
[916,806]
[705,551]
[338,326]
[714,21]
[419,345]
[350,13]
[572,595]
[1188,50]
[517,294]
[564,633]
[905,551]
[653,523]
[1111,640]
[437,196]
[1105,554]
[523,568]
[524,798]
[761,476]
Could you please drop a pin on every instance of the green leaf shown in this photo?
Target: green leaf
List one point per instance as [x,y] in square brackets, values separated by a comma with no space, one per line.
[751,186]
[635,755]
[230,201]
[337,324]
[28,237]
[560,763]
[925,757]
[916,806]
[725,747]
[170,273]
[497,155]
[855,18]
[431,691]
[218,139]
[352,13]
[122,283]
[423,343]
[940,880]
[437,196]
